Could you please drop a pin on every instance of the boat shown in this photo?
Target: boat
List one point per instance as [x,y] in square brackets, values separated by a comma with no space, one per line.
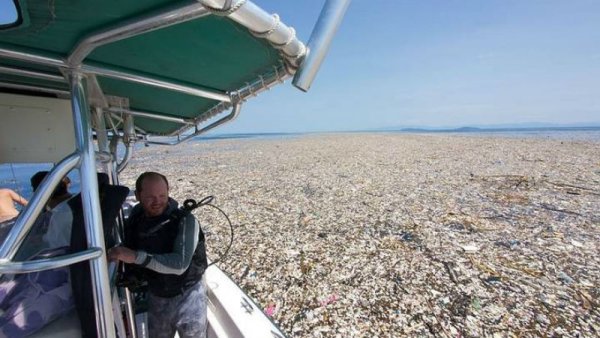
[81,83]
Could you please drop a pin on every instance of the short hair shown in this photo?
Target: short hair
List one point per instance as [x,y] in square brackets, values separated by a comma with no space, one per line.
[60,190]
[149,175]
[37,179]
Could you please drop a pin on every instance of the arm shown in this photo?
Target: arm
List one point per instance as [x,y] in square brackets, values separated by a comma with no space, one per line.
[179,260]
[17,198]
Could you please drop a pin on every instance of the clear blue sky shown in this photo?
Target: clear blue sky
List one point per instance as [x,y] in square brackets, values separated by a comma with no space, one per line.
[8,12]
[440,63]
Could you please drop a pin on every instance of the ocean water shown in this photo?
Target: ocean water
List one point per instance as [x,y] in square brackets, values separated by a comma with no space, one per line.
[16,176]
[566,134]
[216,137]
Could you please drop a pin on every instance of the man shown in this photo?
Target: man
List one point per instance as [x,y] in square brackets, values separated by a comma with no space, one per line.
[7,208]
[169,244]
[60,194]
[52,228]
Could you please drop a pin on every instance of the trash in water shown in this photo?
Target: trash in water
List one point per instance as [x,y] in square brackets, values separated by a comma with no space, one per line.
[493,280]
[565,278]
[331,299]
[406,236]
[396,211]
[470,248]
[576,243]
[270,310]
[510,244]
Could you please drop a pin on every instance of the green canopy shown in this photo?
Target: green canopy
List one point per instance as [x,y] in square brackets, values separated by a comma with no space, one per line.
[212,53]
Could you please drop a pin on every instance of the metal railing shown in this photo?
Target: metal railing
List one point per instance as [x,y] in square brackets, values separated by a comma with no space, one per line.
[91,206]
[235,111]
[49,263]
[33,209]
[260,23]
[106,71]
[140,25]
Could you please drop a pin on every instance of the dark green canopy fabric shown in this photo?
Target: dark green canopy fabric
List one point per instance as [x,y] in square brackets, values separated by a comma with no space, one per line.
[210,52]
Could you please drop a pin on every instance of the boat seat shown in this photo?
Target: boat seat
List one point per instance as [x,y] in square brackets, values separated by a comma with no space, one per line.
[32,301]
[111,200]
[67,326]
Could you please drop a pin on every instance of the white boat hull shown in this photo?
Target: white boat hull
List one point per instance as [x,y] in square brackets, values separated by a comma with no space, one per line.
[231,313]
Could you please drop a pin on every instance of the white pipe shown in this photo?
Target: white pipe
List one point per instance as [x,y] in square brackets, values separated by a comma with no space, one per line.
[264,25]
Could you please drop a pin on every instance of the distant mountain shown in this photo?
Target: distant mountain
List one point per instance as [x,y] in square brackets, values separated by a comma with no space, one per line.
[490,127]
[465,129]
[460,130]
[537,125]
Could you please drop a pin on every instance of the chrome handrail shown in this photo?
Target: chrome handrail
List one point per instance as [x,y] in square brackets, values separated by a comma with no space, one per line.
[40,89]
[48,263]
[251,89]
[130,76]
[234,113]
[138,25]
[172,85]
[151,115]
[31,57]
[31,73]
[28,216]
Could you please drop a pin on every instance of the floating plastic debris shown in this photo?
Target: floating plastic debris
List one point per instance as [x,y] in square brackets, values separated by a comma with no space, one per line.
[331,299]
[270,310]
[470,248]
[380,220]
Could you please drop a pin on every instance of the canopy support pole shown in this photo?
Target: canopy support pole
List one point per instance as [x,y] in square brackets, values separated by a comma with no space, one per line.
[91,207]
[320,40]
[102,137]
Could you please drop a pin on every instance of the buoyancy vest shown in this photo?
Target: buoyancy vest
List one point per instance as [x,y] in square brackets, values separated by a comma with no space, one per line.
[157,236]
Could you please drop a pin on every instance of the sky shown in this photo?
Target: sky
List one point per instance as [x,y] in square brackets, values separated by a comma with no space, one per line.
[439,63]
[8,12]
